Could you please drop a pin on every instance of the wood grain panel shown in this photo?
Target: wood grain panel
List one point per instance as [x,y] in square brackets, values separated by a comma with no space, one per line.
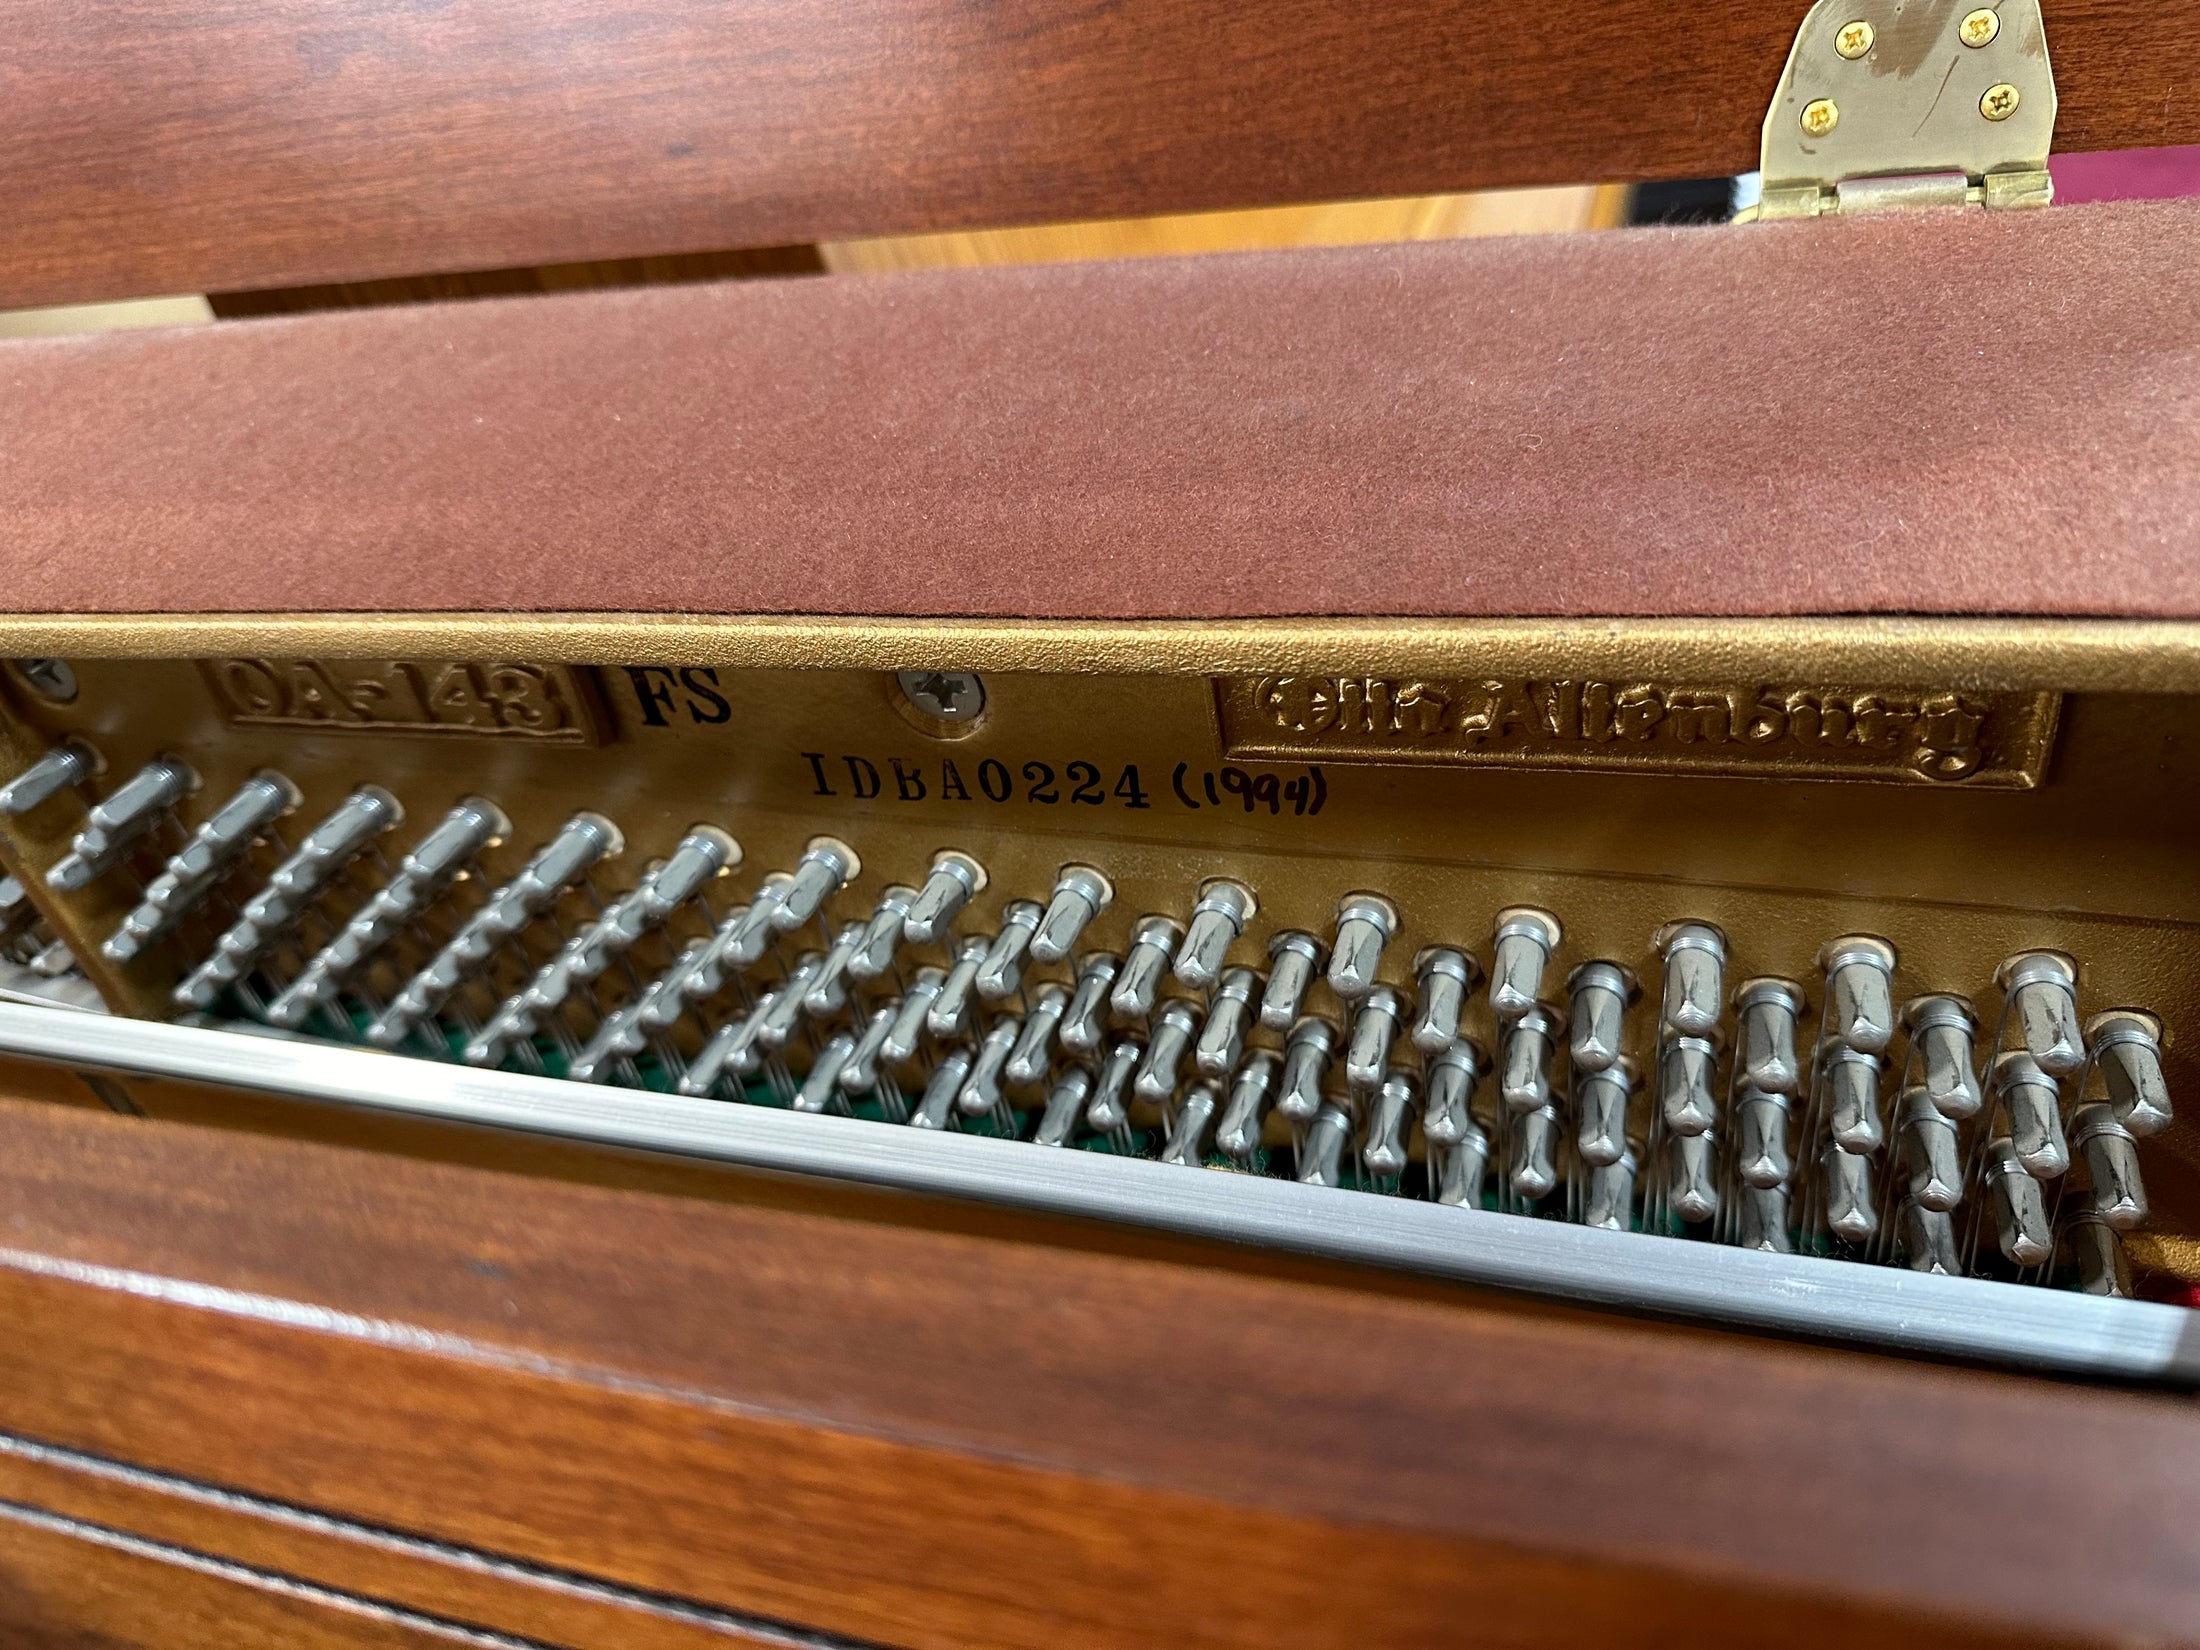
[315,1550]
[67,1586]
[940,1439]
[162,146]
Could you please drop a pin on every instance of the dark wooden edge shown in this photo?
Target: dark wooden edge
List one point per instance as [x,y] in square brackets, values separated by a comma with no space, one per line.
[935,1438]
[216,145]
[69,1585]
[297,1547]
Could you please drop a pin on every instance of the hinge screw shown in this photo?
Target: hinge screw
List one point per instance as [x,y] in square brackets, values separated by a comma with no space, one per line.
[2000,102]
[1820,116]
[1855,39]
[1979,28]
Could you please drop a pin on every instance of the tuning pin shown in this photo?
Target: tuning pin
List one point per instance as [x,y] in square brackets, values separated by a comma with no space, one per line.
[704,853]
[827,865]
[1693,1189]
[1768,1010]
[2127,1046]
[1171,1039]
[1186,1147]
[2020,1209]
[1001,975]
[1321,1157]
[1065,1104]
[937,1109]
[1942,1030]
[1687,1099]
[1859,971]
[820,1090]
[1761,1150]
[1611,1202]
[1080,894]
[860,1074]
[1294,958]
[950,1006]
[1218,919]
[2033,1102]
[981,1090]
[1525,939]
[581,842]
[67,764]
[828,992]
[1929,1240]
[112,827]
[1764,1220]
[1365,924]
[1445,979]
[1085,1023]
[1306,1056]
[1851,1214]
[911,1019]
[882,935]
[734,1047]
[748,933]
[1447,1113]
[2099,1252]
[1535,1153]
[215,849]
[1033,1056]
[1459,1168]
[1524,1068]
[423,875]
[1600,993]
[2042,988]
[1927,1140]
[1110,1110]
[1852,1093]
[1238,1134]
[1145,965]
[1383,1143]
[1695,977]
[699,858]
[1230,1011]
[618,1036]
[776,1025]
[1602,1100]
[293,886]
[954,880]
[1374,1031]
[2111,1156]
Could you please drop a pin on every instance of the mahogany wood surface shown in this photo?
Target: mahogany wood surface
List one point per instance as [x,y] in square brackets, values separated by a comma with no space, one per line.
[390,1575]
[928,1438]
[88,1588]
[159,146]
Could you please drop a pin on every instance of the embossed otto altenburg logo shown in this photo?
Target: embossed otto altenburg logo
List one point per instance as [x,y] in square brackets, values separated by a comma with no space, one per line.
[1937,737]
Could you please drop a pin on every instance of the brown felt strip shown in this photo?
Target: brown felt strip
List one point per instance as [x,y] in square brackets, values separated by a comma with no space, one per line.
[1948,413]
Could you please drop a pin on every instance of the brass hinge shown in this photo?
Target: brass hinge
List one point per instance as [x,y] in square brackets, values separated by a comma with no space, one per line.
[1889,105]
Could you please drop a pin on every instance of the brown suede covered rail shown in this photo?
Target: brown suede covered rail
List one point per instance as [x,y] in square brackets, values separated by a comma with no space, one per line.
[1947,413]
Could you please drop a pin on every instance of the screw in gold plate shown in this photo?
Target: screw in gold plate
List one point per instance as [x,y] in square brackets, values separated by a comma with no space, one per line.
[1820,115]
[1978,28]
[2000,102]
[1855,39]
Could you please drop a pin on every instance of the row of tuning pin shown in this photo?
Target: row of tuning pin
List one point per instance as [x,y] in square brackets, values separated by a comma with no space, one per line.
[1059,1043]
[1987,1127]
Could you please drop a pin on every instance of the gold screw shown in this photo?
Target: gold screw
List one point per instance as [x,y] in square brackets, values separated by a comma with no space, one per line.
[1980,27]
[1999,103]
[1855,39]
[1821,116]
